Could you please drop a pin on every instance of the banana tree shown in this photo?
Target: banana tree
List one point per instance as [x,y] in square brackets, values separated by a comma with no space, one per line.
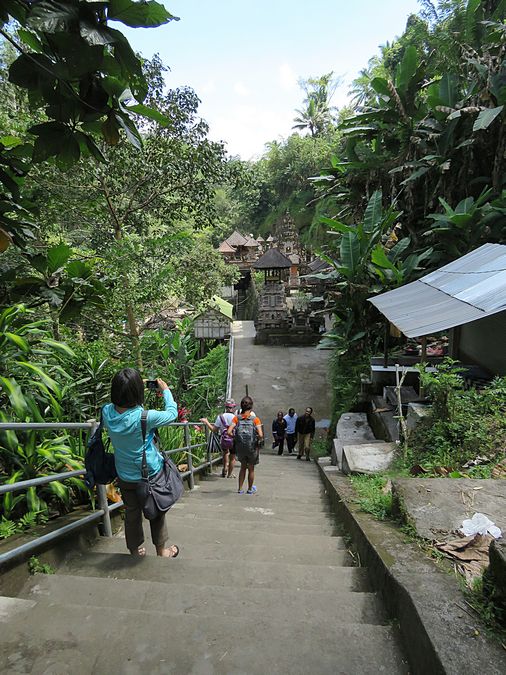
[66,285]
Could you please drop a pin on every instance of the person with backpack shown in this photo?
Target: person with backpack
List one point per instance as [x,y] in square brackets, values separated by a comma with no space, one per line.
[122,420]
[248,436]
[220,426]
[279,432]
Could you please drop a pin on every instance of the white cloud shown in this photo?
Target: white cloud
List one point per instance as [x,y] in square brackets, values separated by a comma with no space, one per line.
[241,89]
[247,128]
[287,77]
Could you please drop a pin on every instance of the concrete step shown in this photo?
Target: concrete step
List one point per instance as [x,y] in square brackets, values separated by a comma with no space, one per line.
[246,574]
[279,604]
[292,501]
[225,547]
[186,532]
[225,522]
[58,638]
[251,509]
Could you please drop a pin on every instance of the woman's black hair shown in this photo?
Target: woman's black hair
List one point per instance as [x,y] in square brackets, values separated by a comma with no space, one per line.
[127,388]
[246,404]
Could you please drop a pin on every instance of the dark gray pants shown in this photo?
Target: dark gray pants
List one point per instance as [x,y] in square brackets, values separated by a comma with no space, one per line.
[291,440]
[134,533]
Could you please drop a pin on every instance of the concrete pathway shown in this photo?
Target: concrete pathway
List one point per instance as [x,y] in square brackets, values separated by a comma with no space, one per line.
[279,378]
[263,584]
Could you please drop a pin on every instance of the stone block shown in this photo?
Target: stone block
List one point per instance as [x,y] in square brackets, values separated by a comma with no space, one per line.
[352,428]
[416,413]
[368,457]
[436,507]
[497,570]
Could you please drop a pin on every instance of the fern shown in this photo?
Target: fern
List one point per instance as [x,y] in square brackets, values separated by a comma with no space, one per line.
[7,528]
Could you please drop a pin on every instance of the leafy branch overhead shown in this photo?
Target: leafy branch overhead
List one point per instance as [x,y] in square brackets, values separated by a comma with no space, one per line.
[83,75]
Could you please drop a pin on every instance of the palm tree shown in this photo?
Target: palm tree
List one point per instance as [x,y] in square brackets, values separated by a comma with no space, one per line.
[317,116]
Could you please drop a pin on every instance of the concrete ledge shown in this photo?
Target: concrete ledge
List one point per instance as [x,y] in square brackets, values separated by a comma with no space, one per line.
[438,634]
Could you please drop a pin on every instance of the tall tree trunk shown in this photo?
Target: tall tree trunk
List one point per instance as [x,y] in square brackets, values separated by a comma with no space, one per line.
[134,332]
[132,323]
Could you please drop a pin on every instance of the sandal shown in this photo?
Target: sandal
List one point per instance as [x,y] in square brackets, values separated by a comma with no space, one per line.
[252,491]
[173,550]
[140,551]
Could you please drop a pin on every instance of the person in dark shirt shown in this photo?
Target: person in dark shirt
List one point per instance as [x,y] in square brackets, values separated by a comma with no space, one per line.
[278,432]
[305,428]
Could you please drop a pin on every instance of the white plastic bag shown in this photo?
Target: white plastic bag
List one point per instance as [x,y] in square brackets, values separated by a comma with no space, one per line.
[480,524]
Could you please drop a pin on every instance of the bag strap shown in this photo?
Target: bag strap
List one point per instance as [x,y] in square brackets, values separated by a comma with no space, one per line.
[144,426]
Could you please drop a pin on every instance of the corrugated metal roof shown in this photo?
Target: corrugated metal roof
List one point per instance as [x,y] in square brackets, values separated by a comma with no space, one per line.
[465,290]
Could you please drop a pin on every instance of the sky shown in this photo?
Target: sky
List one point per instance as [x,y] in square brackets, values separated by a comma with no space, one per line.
[244,58]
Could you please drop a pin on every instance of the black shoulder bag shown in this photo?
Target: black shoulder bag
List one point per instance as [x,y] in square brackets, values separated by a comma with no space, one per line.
[157,493]
[99,464]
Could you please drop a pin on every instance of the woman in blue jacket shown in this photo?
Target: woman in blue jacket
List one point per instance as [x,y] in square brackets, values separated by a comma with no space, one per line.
[122,419]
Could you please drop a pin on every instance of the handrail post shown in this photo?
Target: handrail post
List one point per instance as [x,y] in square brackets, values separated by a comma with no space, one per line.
[102,503]
[187,441]
[208,449]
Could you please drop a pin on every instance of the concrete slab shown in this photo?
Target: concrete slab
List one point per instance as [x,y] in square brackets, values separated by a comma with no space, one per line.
[368,457]
[437,506]
[416,413]
[352,428]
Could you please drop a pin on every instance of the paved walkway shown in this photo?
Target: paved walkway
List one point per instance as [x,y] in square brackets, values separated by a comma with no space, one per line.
[263,584]
[279,378]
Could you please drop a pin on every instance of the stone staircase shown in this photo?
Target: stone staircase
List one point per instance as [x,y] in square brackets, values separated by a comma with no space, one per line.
[263,584]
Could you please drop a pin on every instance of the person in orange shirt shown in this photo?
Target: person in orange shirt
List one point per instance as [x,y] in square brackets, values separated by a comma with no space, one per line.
[248,438]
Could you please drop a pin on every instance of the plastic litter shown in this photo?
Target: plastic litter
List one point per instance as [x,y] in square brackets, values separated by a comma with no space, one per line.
[480,524]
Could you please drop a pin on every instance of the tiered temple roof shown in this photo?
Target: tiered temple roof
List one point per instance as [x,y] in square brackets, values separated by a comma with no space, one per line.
[272,260]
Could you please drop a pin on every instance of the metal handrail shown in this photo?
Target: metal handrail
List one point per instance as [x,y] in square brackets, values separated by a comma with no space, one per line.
[230,366]
[104,510]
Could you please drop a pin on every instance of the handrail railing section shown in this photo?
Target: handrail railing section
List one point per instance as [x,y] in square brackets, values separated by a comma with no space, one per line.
[105,509]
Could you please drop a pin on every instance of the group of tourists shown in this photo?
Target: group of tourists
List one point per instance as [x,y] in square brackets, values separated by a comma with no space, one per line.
[138,460]
[241,435]
[295,430]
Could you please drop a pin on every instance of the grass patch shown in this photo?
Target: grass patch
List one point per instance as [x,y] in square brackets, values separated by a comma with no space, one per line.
[372,497]
[319,448]
[37,567]
[481,599]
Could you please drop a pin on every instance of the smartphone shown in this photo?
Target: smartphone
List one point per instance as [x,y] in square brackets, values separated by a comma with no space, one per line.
[151,384]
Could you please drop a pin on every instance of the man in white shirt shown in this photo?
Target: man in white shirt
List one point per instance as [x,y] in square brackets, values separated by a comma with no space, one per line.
[291,435]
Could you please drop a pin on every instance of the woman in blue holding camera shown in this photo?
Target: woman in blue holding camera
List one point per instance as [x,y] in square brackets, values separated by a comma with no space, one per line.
[122,419]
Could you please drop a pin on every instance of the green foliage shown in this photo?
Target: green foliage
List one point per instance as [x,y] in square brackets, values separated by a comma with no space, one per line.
[36,567]
[82,74]
[207,385]
[7,528]
[463,425]
[490,609]
[371,496]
